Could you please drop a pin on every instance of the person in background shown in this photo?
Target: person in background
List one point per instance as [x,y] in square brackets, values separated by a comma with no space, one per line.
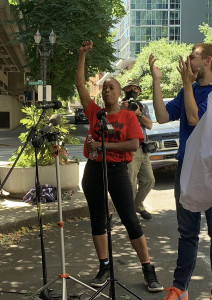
[140,168]
[126,138]
[189,106]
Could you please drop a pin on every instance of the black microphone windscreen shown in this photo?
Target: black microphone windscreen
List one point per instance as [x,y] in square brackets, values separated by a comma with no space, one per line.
[100,114]
[58,104]
[55,119]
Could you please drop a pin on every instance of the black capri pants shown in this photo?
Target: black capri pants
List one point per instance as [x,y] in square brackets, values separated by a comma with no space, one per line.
[120,189]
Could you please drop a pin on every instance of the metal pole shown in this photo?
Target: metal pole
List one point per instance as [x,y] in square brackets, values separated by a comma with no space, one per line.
[44,56]
[59,199]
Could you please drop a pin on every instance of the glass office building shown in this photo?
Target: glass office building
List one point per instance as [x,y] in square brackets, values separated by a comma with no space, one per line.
[149,20]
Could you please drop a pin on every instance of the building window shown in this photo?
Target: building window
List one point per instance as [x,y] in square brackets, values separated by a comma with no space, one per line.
[132,49]
[174,17]
[161,18]
[138,4]
[161,32]
[174,4]
[161,4]
[135,48]
[132,18]
[138,33]
[143,34]
[143,4]
[174,34]
[208,3]
[138,18]
[209,19]
[143,18]
[132,5]
[132,34]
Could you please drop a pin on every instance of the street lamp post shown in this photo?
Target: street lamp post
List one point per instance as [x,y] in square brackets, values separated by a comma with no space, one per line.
[44,53]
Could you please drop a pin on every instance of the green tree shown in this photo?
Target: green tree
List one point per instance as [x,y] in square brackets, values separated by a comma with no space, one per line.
[73,21]
[207,31]
[167,55]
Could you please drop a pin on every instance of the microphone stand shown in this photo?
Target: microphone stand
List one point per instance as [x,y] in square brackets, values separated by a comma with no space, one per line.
[37,142]
[111,280]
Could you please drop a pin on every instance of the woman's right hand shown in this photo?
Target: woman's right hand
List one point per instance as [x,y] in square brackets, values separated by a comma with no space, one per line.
[86,46]
[93,145]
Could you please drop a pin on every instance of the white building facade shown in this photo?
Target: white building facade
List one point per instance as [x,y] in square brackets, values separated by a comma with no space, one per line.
[149,20]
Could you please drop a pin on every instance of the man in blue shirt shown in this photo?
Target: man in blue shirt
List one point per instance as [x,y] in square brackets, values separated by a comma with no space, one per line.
[189,106]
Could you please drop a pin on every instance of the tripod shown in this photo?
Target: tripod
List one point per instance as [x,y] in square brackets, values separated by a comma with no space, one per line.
[44,292]
[111,280]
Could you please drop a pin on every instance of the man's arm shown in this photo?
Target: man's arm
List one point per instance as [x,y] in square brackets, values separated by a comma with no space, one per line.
[188,77]
[159,106]
[80,74]
[147,122]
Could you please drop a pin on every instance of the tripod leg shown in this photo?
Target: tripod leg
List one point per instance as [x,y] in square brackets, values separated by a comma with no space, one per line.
[99,291]
[45,295]
[42,289]
[89,287]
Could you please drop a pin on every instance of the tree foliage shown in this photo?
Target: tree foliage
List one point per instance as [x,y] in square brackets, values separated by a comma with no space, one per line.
[73,21]
[207,31]
[167,55]
[43,141]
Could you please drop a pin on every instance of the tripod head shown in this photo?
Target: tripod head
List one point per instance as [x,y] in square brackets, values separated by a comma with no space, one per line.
[45,133]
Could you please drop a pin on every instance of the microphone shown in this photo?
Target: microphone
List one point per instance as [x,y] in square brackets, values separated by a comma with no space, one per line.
[101,115]
[55,105]
[53,121]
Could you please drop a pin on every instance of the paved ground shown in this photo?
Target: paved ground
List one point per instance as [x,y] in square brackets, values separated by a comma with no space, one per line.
[21,264]
[21,267]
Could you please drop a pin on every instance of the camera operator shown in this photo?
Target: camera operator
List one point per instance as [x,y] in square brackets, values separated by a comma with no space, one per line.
[139,169]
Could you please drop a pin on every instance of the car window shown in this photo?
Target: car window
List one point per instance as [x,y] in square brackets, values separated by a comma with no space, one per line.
[152,111]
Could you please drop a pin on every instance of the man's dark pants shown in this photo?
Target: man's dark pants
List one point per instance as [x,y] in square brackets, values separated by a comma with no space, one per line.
[189,229]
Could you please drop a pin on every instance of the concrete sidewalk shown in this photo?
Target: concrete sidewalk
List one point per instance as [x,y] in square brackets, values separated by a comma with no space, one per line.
[15,213]
[20,264]
[21,261]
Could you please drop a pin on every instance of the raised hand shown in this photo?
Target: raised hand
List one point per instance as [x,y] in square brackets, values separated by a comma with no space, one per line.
[185,70]
[86,46]
[155,71]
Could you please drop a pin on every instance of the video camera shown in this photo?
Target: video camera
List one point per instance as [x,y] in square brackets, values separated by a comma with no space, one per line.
[149,147]
[133,105]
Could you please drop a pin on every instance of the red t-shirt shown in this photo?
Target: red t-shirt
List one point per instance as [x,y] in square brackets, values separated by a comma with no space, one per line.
[125,126]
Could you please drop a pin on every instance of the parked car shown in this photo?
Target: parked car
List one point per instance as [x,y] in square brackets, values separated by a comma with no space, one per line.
[167,138]
[69,117]
[80,116]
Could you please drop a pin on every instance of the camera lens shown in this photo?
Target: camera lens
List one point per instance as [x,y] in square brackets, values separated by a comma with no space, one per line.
[132,106]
